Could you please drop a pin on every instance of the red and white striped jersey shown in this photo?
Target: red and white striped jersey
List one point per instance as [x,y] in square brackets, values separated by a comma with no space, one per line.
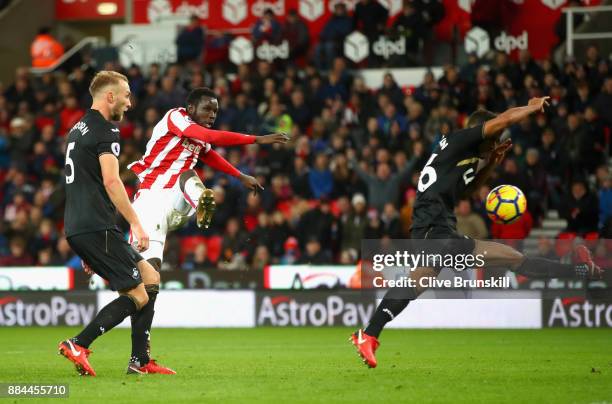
[169,153]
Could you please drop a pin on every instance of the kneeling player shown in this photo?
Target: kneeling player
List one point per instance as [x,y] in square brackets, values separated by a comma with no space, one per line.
[456,168]
[170,190]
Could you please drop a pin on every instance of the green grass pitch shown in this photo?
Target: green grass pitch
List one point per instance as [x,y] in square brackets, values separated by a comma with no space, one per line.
[318,365]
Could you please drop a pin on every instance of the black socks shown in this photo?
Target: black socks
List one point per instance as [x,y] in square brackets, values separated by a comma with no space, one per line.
[110,316]
[542,268]
[141,328]
[395,300]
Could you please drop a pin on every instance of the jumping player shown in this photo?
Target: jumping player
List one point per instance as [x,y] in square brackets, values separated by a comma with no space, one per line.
[170,190]
[458,166]
[94,192]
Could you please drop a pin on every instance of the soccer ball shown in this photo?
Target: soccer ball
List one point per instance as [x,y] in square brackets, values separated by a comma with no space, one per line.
[506,204]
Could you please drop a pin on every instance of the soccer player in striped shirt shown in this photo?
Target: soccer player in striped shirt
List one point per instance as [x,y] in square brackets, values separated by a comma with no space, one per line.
[170,190]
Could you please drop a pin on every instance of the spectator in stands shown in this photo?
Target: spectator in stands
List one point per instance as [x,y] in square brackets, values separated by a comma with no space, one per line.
[299,111]
[295,31]
[370,17]
[389,118]
[198,261]
[384,186]
[320,177]
[246,119]
[276,120]
[574,145]
[596,147]
[468,222]
[64,256]
[45,49]
[20,141]
[537,189]
[170,95]
[316,223]
[70,115]
[190,42]
[353,225]
[291,252]
[603,102]
[5,157]
[410,25]
[580,208]
[604,185]
[18,254]
[261,258]
[391,226]
[313,254]
[234,239]
[332,36]
[267,28]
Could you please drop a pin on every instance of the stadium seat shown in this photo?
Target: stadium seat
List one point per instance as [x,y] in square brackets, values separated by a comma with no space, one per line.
[591,239]
[214,248]
[564,243]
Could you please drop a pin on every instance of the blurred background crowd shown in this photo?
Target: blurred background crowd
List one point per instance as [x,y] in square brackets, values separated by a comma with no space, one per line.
[351,168]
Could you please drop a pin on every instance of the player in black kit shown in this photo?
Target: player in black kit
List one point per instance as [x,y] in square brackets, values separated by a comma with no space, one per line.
[457,167]
[94,192]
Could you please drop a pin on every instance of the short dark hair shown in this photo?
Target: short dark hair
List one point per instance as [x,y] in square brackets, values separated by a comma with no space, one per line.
[479,117]
[198,93]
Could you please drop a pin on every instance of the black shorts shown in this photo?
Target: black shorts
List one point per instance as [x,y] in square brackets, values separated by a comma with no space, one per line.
[110,256]
[444,239]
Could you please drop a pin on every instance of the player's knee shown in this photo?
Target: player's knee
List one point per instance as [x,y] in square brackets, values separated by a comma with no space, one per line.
[155,263]
[155,279]
[148,272]
[139,296]
[143,298]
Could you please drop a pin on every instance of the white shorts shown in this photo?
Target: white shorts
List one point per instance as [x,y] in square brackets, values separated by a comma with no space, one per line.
[156,210]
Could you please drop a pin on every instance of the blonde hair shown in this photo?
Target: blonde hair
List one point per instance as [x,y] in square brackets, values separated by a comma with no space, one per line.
[103,79]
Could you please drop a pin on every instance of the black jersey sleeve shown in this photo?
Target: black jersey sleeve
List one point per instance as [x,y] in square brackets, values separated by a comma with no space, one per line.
[463,140]
[108,142]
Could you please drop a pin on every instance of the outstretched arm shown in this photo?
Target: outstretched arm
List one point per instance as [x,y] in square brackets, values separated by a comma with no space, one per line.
[514,115]
[181,125]
[227,138]
[217,137]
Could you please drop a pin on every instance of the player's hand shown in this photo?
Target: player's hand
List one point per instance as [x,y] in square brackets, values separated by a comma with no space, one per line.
[86,268]
[273,138]
[499,152]
[251,183]
[539,102]
[142,243]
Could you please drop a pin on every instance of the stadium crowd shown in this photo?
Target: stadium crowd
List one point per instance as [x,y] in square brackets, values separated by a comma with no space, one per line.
[350,170]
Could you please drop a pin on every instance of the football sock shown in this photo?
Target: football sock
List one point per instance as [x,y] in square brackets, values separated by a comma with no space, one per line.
[392,304]
[141,327]
[110,315]
[543,268]
[192,189]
